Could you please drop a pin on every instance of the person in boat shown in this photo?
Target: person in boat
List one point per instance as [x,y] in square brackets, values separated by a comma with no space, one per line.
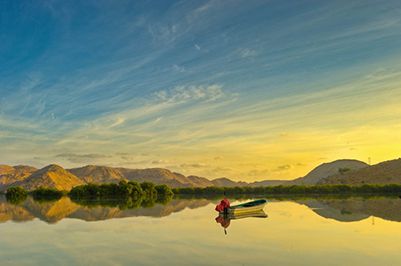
[223,206]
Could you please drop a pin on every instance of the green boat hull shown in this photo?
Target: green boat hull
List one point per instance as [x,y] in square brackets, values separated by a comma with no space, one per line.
[247,208]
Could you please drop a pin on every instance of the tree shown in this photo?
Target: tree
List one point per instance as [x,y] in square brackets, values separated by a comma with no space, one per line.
[164,190]
[125,189]
[164,194]
[46,194]
[149,189]
[137,190]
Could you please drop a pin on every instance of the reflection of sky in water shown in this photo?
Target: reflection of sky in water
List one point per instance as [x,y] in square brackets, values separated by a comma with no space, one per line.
[293,234]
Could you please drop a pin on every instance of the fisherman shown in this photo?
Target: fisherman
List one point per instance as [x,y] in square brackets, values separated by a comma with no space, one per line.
[223,206]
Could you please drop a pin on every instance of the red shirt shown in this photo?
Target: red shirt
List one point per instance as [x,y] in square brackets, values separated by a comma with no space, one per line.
[224,204]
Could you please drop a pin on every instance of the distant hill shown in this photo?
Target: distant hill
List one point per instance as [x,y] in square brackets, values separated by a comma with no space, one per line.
[325,170]
[200,181]
[97,174]
[388,172]
[313,177]
[51,176]
[225,182]
[266,183]
[6,169]
[12,174]
[104,174]
[157,176]
[351,172]
[55,176]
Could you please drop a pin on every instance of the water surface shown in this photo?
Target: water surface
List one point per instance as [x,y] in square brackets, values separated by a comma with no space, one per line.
[305,231]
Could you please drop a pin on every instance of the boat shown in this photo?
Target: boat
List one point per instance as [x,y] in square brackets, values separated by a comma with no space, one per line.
[246,208]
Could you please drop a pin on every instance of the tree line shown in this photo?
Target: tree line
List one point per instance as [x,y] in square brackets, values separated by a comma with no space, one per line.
[293,189]
[131,193]
[125,195]
[122,189]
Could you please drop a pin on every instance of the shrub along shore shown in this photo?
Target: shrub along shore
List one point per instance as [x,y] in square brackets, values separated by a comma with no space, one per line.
[391,189]
[146,193]
[132,193]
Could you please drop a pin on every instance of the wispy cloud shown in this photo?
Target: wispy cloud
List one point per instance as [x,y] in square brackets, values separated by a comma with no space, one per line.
[204,7]
[82,158]
[194,165]
[246,53]
[191,93]
[165,33]
[284,167]
[178,68]
[118,121]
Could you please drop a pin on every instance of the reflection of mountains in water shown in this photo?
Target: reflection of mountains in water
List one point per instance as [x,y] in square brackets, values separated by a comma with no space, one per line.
[52,212]
[340,209]
[355,209]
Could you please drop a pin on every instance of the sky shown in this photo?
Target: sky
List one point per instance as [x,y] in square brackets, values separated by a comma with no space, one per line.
[250,90]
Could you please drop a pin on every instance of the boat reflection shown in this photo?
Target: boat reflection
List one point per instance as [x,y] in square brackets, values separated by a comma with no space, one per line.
[225,219]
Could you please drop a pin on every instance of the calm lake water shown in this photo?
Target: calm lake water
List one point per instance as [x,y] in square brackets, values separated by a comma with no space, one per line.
[307,231]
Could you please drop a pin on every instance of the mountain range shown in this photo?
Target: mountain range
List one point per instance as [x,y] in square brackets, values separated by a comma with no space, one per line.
[388,172]
[351,172]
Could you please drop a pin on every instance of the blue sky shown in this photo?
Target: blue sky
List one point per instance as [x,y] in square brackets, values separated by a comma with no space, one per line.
[246,89]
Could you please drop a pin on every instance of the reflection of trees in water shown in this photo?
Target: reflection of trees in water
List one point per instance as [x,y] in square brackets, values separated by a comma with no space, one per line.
[122,203]
[16,200]
[16,195]
[340,209]
[126,202]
